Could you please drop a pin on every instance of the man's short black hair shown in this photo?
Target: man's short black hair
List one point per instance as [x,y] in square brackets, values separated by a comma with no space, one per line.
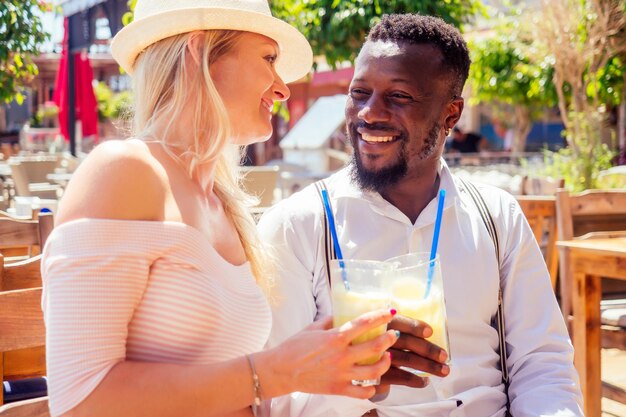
[418,29]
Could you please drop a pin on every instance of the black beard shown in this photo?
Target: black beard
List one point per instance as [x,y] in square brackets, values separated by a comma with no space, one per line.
[380,180]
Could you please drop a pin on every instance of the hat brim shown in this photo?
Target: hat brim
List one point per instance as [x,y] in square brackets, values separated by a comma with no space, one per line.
[294,61]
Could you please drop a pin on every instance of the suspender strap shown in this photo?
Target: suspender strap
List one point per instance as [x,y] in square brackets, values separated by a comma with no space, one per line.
[329,249]
[485,214]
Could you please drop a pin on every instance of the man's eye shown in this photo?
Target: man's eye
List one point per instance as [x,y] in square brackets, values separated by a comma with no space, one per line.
[400,96]
[358,93]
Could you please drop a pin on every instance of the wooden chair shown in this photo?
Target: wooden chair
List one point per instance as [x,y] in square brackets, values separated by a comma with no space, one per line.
[21,323]
[30,176]
[588,215]
[28,362]
[37,407]
[261,181]
[24,237]
[20,275]
[540,211]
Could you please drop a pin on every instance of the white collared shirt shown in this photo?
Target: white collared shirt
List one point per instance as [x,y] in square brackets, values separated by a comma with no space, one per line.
[540,355]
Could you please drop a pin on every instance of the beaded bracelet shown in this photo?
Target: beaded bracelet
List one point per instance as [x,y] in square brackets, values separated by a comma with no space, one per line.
[256,385]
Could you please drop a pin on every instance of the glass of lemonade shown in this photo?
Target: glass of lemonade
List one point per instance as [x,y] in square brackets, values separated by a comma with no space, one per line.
[408,285]
[366,290]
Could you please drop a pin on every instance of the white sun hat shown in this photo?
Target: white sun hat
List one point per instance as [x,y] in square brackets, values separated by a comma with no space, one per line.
[159,19]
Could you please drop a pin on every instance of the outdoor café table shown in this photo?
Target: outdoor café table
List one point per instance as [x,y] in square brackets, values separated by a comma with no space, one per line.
[589,260]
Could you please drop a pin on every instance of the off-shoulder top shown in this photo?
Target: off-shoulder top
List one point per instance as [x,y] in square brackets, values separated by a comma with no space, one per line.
[144,291]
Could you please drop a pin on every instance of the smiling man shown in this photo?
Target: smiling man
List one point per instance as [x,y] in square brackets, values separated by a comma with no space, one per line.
[404,98]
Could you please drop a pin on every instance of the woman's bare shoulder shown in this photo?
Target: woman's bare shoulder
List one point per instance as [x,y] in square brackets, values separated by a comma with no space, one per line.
[120,179]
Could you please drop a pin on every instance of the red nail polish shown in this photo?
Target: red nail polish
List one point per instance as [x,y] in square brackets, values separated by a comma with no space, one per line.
[393,311]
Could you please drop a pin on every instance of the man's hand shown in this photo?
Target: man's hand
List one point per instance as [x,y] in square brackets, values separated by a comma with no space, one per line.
[413,351]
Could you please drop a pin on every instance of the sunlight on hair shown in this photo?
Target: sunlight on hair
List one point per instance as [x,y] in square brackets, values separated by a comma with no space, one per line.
[166,87]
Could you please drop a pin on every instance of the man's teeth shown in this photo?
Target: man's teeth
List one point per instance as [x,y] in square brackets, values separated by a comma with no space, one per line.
[370,138]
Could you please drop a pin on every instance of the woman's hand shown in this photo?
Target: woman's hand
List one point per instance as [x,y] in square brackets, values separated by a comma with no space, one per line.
[322,360]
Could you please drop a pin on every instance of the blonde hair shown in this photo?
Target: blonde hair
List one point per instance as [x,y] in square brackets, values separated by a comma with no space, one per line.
[164,87]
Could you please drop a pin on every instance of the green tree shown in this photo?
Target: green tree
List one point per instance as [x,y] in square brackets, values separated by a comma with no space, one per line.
[584,37]
[21,36]
[336,28]
[508,72]
[587,39]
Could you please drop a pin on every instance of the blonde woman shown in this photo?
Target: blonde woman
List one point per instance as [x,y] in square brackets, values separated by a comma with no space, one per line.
[153,275]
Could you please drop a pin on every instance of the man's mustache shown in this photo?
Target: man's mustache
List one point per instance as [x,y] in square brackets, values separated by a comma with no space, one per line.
[375,126]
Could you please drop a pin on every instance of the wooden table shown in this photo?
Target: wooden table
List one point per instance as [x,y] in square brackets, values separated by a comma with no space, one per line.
[591,259]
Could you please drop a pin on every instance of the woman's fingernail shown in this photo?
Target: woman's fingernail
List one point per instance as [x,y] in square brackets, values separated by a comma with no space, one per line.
[443,356]
[445,369]
[397,334]
[393,311]
[426,381]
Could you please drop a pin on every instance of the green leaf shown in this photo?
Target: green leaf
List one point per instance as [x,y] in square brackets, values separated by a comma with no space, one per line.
[377,8]
[127,18]
[21,36]
[336,28]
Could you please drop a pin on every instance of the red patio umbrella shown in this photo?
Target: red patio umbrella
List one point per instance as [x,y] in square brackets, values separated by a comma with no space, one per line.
[85,102]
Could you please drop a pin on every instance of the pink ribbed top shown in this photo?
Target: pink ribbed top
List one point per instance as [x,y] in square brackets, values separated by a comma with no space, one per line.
[142,290]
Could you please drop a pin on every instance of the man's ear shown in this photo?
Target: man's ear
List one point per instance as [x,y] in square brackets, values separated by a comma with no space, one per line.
[193,46]
[454,109]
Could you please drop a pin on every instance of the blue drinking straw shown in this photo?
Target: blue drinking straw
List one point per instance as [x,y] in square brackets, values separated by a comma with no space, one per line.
[333,233]
[433,249]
